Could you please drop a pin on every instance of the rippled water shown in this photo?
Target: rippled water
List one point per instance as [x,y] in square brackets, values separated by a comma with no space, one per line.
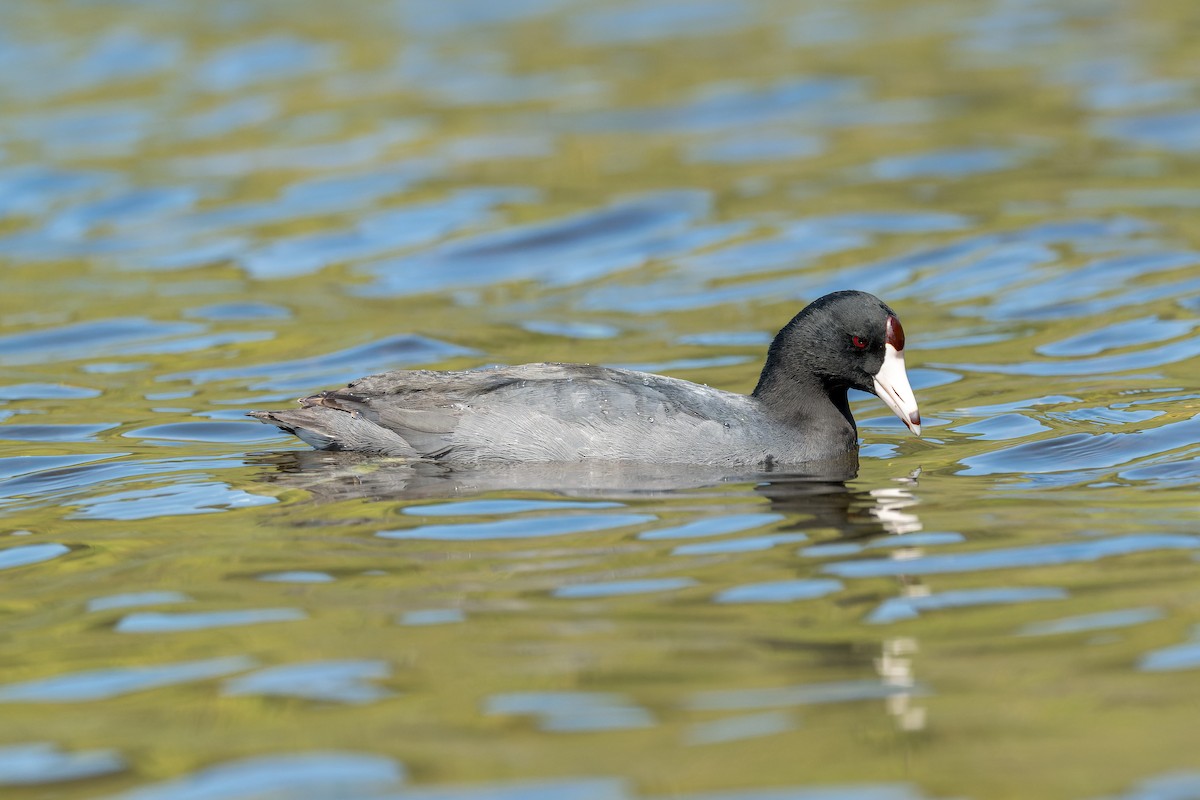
[208,208]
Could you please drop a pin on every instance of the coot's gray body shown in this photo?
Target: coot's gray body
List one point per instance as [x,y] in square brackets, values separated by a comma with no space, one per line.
[553,412]
[576,412]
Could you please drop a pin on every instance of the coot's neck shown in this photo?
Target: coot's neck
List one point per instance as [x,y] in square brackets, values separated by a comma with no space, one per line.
[799,388]
[804,401]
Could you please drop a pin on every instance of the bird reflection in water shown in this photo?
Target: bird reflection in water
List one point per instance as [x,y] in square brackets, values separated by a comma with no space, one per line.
[818,498]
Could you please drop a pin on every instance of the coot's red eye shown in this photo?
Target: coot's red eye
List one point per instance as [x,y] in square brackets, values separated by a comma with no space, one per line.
[857,342]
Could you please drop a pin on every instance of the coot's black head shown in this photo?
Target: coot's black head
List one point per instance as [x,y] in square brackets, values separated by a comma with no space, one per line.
[844,340]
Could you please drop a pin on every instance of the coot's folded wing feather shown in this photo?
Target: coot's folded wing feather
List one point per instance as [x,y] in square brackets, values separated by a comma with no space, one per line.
[534,412]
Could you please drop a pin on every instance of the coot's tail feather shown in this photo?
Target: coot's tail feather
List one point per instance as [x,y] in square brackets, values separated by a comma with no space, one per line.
[324,428]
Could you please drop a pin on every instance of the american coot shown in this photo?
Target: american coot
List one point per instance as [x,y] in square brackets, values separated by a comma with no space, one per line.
[797,413]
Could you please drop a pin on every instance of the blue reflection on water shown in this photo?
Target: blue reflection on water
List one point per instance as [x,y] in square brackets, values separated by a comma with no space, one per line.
[238,113]
[863,791]
[731,106]
[297,576]
[565,789]
[1180,656]
[475,77]
[1083,450]
[1130,94]
[1002,427]
[779,591]
[572,329]
[340,366]
[562,251]
[41,762]
[164,622]
[367,149]
[1101,365]
[728,339]
[1123,197]
[438,18]
[325,195]
[830,549]
[712,526]
[1144,330]
[314,774]
[433,616]
[807,240]
[523,528]
[238,311]
[31,554]
[48,475]
[488,507]
[619,588]
[233,432]
[805,694]
[972,269]
[53,432]
[97,129]
[330,681]
[165,501]
[89,339]
[922,539]
[1177,131]
[101,684]
[1105,416]
[131,599]
[1102,620]
[268,59]
[374,234]
[1179,785]
[1172,473]
[944,164]
[650,22]
[46,391]
[765,147]
[902,608]
[1074,293]
[33,189]
[898,221]
[127,208]
[747,544]
[1007,558]
[1019,405]
[573,711]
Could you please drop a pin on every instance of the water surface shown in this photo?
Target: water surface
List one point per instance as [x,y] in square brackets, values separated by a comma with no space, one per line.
[208,208]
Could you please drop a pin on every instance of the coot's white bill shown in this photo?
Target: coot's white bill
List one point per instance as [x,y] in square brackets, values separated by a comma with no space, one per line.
[891,384]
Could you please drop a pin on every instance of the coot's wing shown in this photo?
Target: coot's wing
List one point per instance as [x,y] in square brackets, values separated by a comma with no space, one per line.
[411,414]
[534,412]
